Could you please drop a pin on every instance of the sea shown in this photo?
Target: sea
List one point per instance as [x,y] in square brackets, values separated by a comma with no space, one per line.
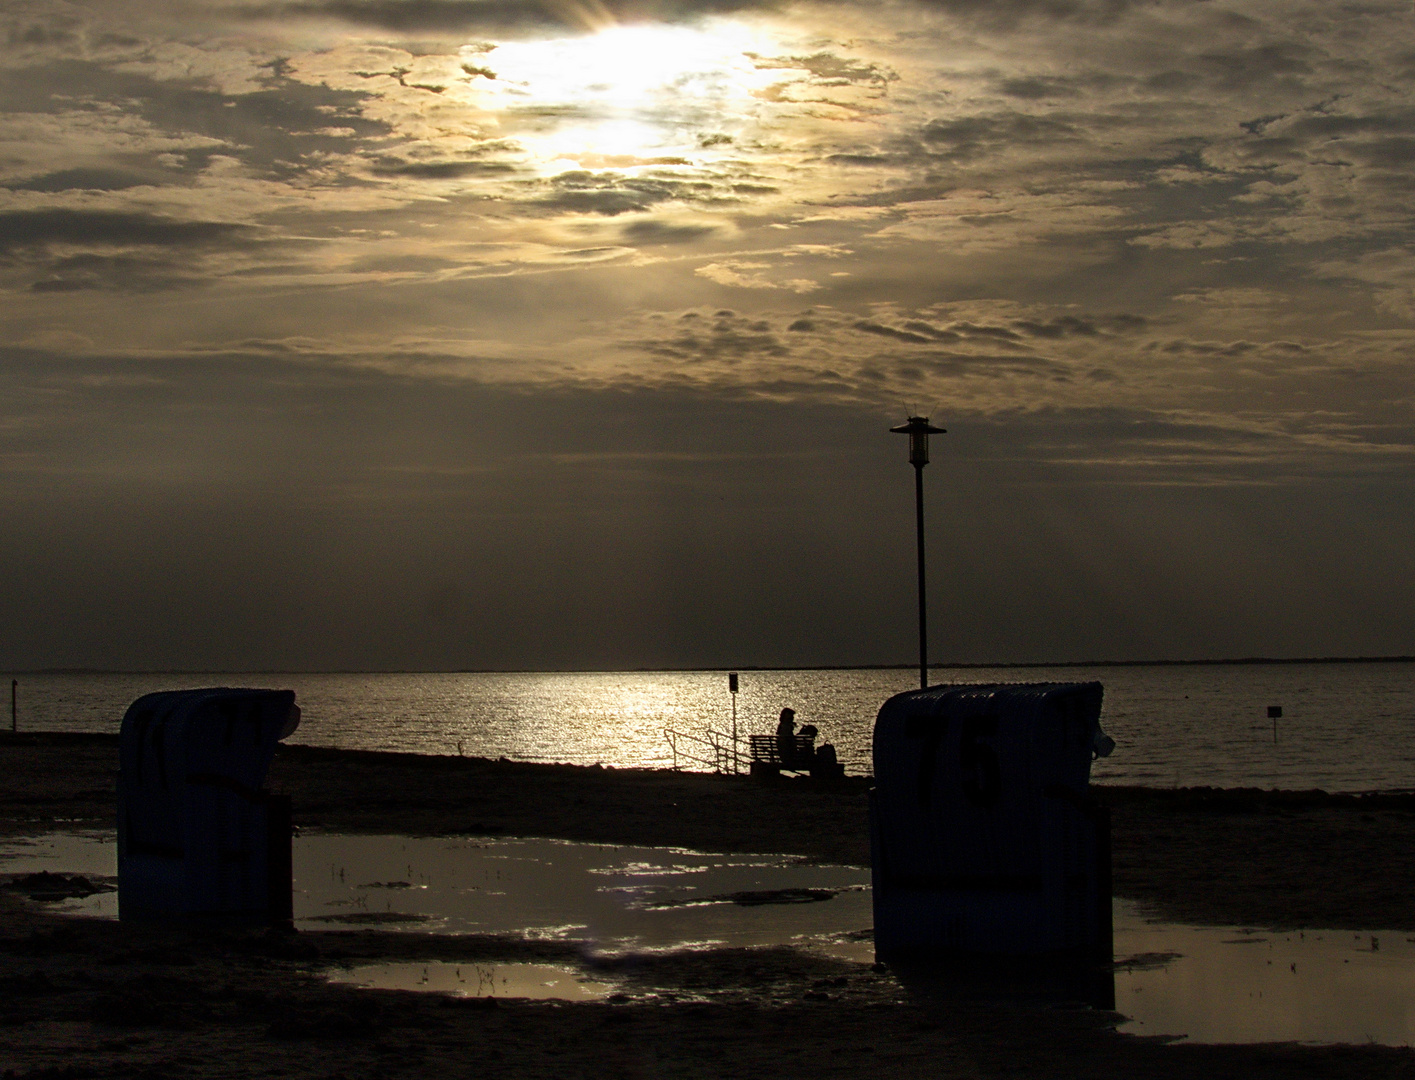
[1345,726]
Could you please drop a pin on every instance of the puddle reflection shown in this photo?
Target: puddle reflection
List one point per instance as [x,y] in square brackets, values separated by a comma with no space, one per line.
[92,854]
[539,981]
[1224,985]
[1206,984]
[614,898]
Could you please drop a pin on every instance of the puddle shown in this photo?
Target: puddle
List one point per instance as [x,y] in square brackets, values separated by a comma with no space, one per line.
[93,856]
[539,981]
[1225,985]
[614,899]
[1206,984]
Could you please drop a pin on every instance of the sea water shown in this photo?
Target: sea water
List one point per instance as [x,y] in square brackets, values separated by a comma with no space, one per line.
[1344,726]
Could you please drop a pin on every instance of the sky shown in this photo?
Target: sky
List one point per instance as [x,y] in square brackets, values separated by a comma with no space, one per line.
[486,334]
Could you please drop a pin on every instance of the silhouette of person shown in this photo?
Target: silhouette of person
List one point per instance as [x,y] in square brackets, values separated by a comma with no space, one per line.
[785,732]
[806,754]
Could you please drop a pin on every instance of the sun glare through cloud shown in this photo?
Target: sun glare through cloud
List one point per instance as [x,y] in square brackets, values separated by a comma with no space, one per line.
[627,94]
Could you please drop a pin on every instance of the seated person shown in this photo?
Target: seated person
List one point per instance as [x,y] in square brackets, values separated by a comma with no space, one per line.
[789,746]
[785,730]
[806,755]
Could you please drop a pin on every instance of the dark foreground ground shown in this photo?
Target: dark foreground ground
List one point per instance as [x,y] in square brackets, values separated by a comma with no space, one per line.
[81,998]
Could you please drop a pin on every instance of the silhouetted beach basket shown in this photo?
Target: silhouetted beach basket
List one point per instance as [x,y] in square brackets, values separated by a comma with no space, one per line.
[197,833]
[984,838]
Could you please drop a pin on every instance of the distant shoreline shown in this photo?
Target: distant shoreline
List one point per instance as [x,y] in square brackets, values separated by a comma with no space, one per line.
[972,666]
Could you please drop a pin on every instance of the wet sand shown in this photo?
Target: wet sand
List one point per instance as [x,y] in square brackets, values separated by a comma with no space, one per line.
[87,998]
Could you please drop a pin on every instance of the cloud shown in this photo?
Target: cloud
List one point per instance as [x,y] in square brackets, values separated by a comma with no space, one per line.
[1065,160]
[611,193]
[67,250]
[1390,272]
[723,335]
[1240,69]
[973,136]
[1084,326]
[29,229]
[1009,13]
[870,327]
[81,273]
[87,179]
[1037,87]
[832,69]
[648,232]
[452,16]
[746,274]
[442,170]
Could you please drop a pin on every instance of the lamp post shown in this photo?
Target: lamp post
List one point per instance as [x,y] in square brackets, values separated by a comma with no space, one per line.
[919,429]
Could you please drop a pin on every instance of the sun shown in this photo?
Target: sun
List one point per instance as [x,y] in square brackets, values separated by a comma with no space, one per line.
[625,93]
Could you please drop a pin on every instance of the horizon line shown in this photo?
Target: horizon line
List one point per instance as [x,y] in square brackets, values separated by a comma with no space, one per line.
[969,666]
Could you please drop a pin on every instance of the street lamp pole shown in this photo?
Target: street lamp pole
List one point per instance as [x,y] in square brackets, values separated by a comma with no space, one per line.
[919,429]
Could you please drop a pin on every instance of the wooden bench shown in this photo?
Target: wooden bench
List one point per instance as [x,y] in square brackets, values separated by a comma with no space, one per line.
[766,754]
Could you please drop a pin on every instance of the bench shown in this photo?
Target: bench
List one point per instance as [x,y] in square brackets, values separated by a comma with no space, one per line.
[766,754]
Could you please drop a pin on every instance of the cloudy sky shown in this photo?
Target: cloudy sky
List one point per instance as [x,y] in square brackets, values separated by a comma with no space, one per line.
[568,333]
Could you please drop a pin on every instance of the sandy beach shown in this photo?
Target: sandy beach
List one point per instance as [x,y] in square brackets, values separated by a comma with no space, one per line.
[91,998]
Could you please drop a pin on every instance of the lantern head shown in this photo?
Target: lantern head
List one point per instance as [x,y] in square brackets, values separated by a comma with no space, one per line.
[918,429]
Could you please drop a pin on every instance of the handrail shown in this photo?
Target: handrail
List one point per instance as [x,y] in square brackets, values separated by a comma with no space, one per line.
[713,749]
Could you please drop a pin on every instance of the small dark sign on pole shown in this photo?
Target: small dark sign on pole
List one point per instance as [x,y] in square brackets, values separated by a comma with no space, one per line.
[1274,714]
[732,689]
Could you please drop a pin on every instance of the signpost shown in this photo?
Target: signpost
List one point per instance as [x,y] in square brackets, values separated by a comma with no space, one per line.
[732,688]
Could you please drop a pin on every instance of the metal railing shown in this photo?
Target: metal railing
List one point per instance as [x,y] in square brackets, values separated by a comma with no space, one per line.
[712,748]
[715,750]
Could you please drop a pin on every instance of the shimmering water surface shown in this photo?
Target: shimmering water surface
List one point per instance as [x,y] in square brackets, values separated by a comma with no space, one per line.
[1345,726]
